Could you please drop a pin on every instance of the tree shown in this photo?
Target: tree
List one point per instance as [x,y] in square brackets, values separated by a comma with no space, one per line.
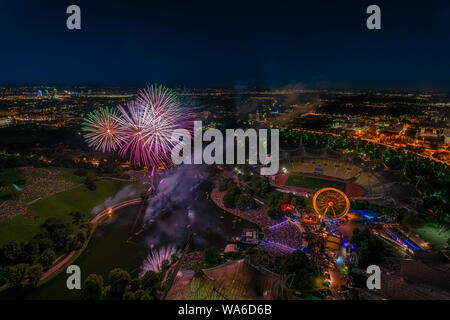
[151,282]
[274,198]
[370,252]
[265,186]
[45,243]
[92,287]
[359,236]
[142,295]
[229,199]
[58,230]
[298,264]
[71,243]
[34,274]
[118,279]
[245,202]
[47,257]
[223,185]
[86,227]
[212,256]
[129,296]
[76,217]
[90,184]
[32,247]
[173,258]
[165,265]
[3,275]
[17,275]
[81,236]
[12,252]
[275,212]
[135,284]
[299,202]
[353,294]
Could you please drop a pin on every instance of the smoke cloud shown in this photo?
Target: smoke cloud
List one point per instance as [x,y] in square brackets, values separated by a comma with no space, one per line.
[126,193]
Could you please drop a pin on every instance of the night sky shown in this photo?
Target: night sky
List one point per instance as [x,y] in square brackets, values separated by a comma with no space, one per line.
[226,43]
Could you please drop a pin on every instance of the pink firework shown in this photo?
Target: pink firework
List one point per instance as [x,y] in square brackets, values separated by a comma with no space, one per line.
[148,123]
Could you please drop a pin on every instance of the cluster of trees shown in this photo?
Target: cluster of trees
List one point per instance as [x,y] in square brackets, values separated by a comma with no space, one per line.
[77,217]
[121,286]
[258,187]
[277,200]
[357,204]
[22,138]
[15,161]
[302,271]
[26,259]
[21,275]
[296,266]
[234,197]
[404,217]
[370,248]
[213,257]
[106,166]
[89,182]
[401,213]
[109,167]
[81,167]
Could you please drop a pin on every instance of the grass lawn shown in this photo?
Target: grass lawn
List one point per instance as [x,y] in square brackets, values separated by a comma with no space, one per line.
[304,182]
[430,233]
[11,175]
[23,227]
[35,183]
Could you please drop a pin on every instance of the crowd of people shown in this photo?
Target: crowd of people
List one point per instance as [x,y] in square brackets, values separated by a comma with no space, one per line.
[287,235]
[282,239]
[258,216]
[38,183]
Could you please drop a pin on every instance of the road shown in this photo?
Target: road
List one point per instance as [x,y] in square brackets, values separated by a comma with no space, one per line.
[114,208]
[97,218]
[426,156]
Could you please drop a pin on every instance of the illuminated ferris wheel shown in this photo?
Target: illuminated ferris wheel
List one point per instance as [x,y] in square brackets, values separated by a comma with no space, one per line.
[331,203]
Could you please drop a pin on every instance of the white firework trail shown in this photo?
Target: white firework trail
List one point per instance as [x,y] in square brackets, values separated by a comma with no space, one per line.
[102,129]
[156,258]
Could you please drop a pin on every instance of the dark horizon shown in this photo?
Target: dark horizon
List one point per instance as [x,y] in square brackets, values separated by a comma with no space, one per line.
[237,88]
[227,45]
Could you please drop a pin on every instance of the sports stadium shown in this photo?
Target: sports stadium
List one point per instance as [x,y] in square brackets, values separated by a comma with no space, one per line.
[305,170]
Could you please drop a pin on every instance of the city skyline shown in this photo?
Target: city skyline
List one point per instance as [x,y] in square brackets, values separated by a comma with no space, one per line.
[233,45]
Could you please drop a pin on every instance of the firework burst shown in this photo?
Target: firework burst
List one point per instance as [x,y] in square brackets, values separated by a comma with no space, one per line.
[148,123]
[142,129]
[102,129]
[156,258]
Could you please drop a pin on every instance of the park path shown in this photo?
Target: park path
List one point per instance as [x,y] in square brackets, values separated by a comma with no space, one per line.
[69,256]
[99,216]
[54,268]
